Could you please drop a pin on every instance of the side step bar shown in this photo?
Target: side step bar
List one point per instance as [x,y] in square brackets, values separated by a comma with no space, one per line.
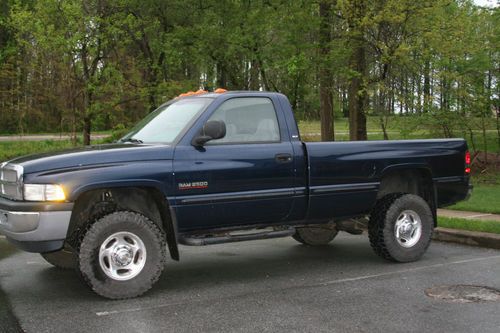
[199,240]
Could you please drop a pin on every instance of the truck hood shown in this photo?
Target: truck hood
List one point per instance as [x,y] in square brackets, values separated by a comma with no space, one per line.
[93,155]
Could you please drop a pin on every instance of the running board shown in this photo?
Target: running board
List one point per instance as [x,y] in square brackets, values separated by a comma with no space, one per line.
[200,240]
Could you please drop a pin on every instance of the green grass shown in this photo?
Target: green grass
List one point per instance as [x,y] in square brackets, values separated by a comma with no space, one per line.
[11,149]
[402,128]
[54,133]
[471,225]
[342,125]
[485,198]
[394,124]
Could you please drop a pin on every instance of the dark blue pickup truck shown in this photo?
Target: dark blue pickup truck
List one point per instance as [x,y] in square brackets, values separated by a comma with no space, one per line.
[222,167]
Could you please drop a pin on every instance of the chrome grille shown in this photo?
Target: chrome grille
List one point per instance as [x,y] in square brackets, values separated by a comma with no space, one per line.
[11,181]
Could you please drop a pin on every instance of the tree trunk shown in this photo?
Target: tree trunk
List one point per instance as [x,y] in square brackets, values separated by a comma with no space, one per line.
[325,73]
[254,75]
[87,120]
[497,113]
[427,86]
[419,93]
[87,124]
[383,125]
[382,111]
[358,95]
[221,76]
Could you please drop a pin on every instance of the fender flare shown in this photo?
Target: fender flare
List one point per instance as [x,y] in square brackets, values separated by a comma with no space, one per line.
[420,167]
[167,214]
[406,166]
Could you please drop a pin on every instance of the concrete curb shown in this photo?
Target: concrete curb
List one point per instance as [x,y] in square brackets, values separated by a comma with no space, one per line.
[467,215]
[474,238]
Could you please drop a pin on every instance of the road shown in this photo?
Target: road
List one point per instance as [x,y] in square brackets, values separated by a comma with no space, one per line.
[266,286]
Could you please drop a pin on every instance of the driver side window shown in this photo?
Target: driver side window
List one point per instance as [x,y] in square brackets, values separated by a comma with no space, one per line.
[248,120]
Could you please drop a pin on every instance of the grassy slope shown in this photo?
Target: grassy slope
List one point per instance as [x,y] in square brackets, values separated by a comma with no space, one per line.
[398,128]
[486,195]
[11,149]
[485,198]
[472,225]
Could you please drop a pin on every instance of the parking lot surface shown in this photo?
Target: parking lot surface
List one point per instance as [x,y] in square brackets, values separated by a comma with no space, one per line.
[265,286]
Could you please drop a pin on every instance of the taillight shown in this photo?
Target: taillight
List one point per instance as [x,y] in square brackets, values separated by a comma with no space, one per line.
[467,162]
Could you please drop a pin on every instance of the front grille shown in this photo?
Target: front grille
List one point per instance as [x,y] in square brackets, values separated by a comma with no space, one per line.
[11,181]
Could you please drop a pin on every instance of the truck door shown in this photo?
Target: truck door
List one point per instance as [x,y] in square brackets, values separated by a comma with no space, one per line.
[244,178]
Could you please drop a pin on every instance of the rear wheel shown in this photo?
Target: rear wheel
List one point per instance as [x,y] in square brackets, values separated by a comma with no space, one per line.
[63,259]
[400,227]
[315,235]
[122,255]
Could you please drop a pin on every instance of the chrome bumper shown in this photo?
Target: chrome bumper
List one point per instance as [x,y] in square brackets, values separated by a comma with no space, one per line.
[35,231]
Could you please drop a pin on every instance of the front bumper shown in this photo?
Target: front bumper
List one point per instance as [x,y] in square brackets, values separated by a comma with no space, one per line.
[35,227]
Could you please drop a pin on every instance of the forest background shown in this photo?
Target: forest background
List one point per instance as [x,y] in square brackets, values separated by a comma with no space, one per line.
[352,69]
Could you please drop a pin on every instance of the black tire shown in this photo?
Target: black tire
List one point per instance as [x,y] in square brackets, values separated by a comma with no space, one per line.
[63,259]
[315,236]
[153,240]
[382,227]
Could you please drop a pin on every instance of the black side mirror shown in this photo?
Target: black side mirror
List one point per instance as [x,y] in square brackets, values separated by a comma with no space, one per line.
[212,130]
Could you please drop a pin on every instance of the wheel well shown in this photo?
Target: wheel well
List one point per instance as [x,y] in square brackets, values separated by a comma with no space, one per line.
[149,202]
[413,181]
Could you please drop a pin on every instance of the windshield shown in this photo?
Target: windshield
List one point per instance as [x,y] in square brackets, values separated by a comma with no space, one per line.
[166,123]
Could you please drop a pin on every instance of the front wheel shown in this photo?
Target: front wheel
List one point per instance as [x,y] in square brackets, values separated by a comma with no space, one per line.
[400,227]
[122,255]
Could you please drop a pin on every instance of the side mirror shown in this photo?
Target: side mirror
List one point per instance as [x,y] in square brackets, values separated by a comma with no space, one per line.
[212,130]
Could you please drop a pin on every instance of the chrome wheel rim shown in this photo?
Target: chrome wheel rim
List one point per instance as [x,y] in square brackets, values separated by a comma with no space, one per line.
[122,256]
[408,228]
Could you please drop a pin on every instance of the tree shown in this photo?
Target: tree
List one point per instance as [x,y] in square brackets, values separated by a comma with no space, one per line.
[96,64]
[324,71]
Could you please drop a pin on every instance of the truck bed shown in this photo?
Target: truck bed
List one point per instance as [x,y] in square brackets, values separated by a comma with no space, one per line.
[344,177]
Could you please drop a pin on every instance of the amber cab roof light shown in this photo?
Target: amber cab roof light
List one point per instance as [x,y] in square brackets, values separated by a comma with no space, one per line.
[201,92]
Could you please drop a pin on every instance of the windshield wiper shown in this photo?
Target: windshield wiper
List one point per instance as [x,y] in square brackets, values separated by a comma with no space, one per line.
[133,140]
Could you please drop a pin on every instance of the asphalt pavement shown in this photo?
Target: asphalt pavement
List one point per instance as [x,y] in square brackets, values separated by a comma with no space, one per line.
[265,286]
[8,322]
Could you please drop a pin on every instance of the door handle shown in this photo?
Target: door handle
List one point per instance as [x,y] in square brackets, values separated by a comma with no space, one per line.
[283,158]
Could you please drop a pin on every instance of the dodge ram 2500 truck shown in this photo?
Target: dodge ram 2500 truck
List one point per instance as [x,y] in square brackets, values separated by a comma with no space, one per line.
[215,168]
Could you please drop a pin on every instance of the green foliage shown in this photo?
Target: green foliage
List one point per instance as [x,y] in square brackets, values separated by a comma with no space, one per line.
[69,64]
[118,132]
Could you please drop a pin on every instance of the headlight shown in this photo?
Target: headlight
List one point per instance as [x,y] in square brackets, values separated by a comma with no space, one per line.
[39,192]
